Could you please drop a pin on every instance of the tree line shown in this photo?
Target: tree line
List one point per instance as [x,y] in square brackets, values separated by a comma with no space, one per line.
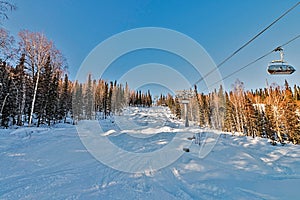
[98,99]
[172,103]
[35,88]
[269,112]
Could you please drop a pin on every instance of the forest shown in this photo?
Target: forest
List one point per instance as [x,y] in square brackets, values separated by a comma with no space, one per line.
[35,88]
[271,112]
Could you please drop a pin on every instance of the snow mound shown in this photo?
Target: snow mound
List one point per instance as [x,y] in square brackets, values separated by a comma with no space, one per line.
[29,131]
[110,132]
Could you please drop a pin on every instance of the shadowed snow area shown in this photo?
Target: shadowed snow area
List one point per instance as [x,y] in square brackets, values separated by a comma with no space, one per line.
[52,163]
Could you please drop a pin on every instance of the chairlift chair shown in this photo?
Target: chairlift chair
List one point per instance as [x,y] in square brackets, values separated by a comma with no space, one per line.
[277,67]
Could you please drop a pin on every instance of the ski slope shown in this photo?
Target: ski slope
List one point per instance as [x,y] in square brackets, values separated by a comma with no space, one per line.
[53,163]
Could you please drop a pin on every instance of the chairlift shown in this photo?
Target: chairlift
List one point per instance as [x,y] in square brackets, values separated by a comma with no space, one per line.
[280,66]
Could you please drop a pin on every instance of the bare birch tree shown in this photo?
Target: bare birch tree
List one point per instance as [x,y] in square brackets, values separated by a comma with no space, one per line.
[7,50]
[5,7]
[37,49]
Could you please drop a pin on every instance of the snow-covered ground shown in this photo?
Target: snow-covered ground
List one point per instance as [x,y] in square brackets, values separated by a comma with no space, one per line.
[53,163]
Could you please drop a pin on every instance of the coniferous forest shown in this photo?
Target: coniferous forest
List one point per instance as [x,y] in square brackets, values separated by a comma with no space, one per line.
[127,99]
[272,112]
[35,89]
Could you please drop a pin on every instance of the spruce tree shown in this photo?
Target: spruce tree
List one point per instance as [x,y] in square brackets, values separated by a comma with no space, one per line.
[42,98]
[20,81]
[177,108]
[109,98]
[250,116]
[89,98]
[229,124]
[105,100]
[5,84]
[64,106]
[291,122]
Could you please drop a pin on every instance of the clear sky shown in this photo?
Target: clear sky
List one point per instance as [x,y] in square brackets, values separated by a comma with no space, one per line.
[78,26]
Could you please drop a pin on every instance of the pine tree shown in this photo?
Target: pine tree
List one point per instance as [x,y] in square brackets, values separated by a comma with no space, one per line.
[89,98]
[291,122]
[222,105]
[250,117]
[105,100]
[64,106]
[20,81]
[206,110]
[109,98]
[120,100]
[149,99]
[99,96]
[200,108]
[43,92]
[127,95]
[229,124]
[177,108]
[270,121]
[12,100]
[6,86]
[259,122]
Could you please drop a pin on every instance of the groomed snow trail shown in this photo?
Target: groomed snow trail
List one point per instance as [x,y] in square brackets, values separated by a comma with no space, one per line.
[52,163]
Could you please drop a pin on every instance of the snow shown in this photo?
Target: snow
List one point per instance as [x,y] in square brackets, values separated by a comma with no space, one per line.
[53,163]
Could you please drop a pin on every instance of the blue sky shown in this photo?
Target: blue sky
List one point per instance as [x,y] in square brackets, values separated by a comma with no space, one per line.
[78,26]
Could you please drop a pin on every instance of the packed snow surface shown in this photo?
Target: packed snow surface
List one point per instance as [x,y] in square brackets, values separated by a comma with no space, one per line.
[53,163]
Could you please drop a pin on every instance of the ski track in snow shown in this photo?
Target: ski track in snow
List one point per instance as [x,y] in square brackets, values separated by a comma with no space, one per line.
[52,163]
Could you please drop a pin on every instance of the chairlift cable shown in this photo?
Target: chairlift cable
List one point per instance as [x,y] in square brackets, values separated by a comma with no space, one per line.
[291,40]
[261,57]
[247,43]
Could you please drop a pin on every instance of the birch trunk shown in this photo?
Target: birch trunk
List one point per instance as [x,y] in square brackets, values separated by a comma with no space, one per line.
[34,96]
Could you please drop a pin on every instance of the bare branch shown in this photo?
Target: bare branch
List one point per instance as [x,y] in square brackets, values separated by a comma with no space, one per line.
[7,49]
[6,7]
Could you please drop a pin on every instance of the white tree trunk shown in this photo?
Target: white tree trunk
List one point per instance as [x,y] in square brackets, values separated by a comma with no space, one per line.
[2,107]
[34,96]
